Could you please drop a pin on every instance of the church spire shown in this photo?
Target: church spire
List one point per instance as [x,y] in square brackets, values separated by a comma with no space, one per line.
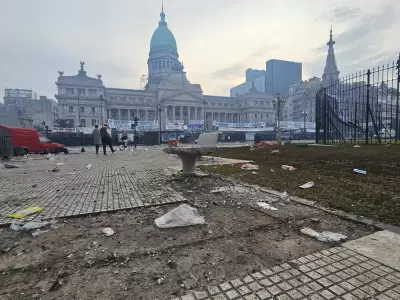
[331,72]
[162,14]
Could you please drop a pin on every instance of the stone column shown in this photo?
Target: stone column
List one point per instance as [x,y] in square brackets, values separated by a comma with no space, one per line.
[196,114]
[173,113]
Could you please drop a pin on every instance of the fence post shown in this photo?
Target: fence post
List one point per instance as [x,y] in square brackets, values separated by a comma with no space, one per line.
[368,109]
[325,116]
[317,116]
[397,133]
[355,123]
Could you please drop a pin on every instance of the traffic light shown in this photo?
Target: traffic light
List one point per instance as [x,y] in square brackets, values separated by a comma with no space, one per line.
[135,123]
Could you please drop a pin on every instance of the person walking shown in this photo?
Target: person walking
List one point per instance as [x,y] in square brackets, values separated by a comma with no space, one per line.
[96,138]
[106,139]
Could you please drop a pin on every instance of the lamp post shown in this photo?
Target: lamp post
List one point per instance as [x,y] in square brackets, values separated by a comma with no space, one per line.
[101,109]
[278,104]
[80,121]
[304,123]
[159,110]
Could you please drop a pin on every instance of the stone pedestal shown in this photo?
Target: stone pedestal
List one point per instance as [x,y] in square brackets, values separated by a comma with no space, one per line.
[189,156]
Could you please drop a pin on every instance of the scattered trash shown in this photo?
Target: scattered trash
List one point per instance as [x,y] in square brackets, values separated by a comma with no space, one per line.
[324,236]
[358,171]
[249,167]
[274,151]
[108,231]
[39,232]
[307,185]
[266,206]
[288,168]
[10,166]
[357,146]
[285,196]
[25,212]
[183,215]
[315,220]
[219,190]
[31,225]
[272,170]
[55,170]
[254,173]
[88,166]
[59,164]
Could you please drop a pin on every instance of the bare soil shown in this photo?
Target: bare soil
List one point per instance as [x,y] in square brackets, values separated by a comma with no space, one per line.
[375,195]
[74,260]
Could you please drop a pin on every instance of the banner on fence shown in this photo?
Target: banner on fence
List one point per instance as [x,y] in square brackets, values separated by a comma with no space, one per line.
[60,129]
[238,125]
[121,125]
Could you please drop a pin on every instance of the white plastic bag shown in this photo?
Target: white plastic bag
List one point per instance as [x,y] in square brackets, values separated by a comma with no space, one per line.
[183,215]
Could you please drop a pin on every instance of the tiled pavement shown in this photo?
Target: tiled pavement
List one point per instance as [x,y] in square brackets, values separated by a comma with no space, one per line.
[114,182]
[337,273]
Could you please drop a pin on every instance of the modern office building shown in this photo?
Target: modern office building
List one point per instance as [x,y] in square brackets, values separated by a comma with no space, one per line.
[276,78]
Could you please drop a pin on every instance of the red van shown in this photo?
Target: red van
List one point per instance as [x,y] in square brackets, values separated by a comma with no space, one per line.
[28,140]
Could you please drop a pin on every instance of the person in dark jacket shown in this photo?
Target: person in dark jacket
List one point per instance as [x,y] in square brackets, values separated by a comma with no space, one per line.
[106,139]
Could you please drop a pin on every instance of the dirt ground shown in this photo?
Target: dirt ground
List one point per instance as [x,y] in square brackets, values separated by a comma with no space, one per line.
[74,260]
[375,195]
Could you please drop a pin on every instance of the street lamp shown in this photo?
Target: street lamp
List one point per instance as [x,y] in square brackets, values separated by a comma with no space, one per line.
[159,110]
[80,121]
[101,108]
[278,104]
[304,120]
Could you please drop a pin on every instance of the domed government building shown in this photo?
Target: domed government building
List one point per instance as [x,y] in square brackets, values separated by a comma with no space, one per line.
[166,94]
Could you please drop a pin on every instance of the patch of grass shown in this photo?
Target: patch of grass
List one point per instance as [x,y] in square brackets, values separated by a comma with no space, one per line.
[375,195]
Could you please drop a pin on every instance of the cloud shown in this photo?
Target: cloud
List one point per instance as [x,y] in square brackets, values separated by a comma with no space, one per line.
[340,14]
[237,70]
[360,45]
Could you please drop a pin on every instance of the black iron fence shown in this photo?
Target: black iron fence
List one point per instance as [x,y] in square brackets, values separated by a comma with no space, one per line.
[360,108]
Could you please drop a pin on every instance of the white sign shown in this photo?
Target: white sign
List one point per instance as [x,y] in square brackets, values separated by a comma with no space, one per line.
[176,122]
[59,129]
[195,122]
[173,127]
[122,125]
[238,125]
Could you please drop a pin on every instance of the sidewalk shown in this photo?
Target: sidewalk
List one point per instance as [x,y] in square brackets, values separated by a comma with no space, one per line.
[367,268]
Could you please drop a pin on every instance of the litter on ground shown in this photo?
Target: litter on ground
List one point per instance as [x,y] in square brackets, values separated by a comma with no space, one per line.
[324,236]
[249,167]
[358,171]
[288,168]
[266,206]
[182,216]
[307,185]
[108,231]
[25,212]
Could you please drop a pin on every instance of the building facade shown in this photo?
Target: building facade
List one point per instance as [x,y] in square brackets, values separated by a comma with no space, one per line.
[19,104]
[276,78]
[167,95]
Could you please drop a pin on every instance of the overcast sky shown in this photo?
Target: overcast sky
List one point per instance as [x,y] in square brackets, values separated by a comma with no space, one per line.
[217,39]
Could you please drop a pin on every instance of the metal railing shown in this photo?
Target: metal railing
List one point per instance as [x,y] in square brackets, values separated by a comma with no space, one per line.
[360,108]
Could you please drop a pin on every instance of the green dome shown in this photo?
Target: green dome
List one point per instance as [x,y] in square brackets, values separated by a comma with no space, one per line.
[163,39]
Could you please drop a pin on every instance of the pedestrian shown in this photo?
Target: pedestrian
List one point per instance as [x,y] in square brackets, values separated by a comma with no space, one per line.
[106,139]
[96,138]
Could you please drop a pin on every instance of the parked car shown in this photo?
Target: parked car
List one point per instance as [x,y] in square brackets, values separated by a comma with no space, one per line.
[28,140]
